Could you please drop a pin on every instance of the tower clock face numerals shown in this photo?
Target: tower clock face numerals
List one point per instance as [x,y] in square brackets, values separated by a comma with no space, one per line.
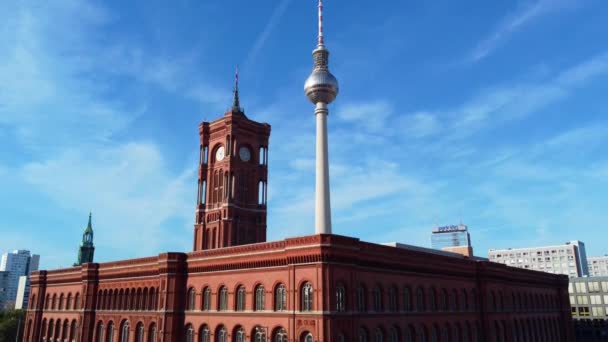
[244,153]
[219,154]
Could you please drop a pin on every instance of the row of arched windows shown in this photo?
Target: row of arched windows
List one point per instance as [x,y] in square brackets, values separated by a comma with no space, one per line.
[499,302]
[394,300]
[238,334]
[240,298]
[60,302]
[145,299]
[107,333]
[55,330]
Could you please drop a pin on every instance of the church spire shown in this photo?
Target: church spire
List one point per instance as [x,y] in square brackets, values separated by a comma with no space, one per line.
[87,249]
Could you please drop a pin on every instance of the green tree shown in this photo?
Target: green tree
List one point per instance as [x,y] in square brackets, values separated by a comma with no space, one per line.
[10,322]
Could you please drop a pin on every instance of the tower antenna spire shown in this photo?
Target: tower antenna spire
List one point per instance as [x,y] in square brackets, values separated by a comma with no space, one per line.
[320,36]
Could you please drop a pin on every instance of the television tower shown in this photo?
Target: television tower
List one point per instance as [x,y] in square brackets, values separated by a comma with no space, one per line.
[321,88]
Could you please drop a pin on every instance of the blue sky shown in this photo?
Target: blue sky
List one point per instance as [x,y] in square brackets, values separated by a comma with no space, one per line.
[493,114]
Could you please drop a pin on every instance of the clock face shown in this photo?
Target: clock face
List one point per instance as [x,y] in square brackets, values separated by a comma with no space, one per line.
[244,153]
[219,154]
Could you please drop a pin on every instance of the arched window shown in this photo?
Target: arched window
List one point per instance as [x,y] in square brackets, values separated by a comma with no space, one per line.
[239,335]
[77,301]
[340,298]
[361,307]
[393,335]
[139,332]
[50,330]
[341,338]
[392,299]
[422,332]
[152,333]
[443,300]
[306,296]
[280,298]
[378,335]
[434,333]
[420,300]
[110,332]
[464,300]
[280,335]
[466,328]
[377,298]
[191,299]
[493,306]
[54,302]
[203,334]
[259,334]
[124,332]
[189,333]
[206,299]
[307,337]
[407,299]
[445,333]
[99,332]
[409,334]
[473,300]
[43,330]
[223,299]
[61,307]
[221,334]
[32,303]
[362,335]
[240,298]
[433,299]
[260,298]
[456,334]
[73,331]
[68,302]
[454,300]
[47,302]
[64,331]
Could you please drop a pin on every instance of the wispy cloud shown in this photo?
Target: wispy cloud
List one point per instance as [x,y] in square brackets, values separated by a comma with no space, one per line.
[514,22]
[260,41]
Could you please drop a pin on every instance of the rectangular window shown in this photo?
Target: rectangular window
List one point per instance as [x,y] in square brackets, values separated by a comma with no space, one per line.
[572,300]
[581,287]
[596,299]
[605,286]
[582,300]
[574,312]
[583,311]
[598,311]
[606,299]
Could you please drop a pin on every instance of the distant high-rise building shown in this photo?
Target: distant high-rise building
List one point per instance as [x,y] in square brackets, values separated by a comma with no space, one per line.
[598,266]
[454,238]
[3,288]
[17,263]
[87,249]
[23,293]
[569,259]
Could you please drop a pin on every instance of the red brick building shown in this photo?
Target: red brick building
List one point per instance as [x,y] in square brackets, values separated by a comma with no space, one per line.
[235,286]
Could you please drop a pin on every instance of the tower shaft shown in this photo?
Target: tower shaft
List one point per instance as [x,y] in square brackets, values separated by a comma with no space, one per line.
[322,197]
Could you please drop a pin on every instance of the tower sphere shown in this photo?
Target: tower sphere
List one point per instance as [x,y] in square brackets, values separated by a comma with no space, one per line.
[321,85]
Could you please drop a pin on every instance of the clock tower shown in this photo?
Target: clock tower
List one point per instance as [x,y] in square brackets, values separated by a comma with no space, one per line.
[232,180]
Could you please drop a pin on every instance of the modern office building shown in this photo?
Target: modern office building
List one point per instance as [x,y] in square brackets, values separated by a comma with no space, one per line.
[17,263]
[23,292]
[589,305]
[569,259]
[453,238]
[598,266]
[4,281]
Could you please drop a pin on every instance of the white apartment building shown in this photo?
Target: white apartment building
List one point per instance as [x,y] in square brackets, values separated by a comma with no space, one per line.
[569,259]
[598,266]
[17,263]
